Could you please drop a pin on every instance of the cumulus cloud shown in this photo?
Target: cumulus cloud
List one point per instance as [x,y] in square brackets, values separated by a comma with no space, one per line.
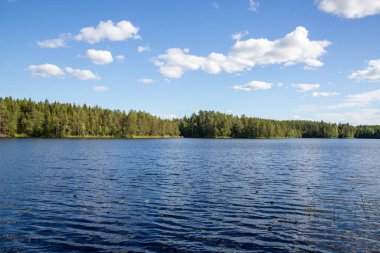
[176,61]
[350,8]
[108,30]
[45,70]
[52,43]
[239,35]
[142,49]
[294,48]
[120,57]
[51,70]
[324,94]
[253,85]
[253,5]
[100,88]
[305,87]
[145,80]
[371,73]
[82,74]
[99,56]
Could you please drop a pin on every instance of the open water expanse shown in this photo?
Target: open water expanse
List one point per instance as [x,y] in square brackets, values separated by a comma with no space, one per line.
[189,195]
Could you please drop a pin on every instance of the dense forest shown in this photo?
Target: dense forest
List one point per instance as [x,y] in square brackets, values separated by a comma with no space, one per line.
[209,124]
[44,119]
[25,118]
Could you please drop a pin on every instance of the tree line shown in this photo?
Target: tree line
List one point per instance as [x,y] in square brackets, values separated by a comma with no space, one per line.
[44,119]
[210,124]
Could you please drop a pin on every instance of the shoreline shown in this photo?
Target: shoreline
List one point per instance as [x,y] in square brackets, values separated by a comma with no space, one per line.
[92,137]
[171,137]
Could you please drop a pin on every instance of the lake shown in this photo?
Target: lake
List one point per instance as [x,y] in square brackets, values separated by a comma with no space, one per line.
[189,195]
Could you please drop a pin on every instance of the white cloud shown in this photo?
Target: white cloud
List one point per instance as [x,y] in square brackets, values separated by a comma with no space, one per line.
[253,85]
[305,87]
[361,108]
[100,88]
[350,8]
[292,49]
[360,100]
[120,58]
[145,80]
[239,35]
[82,74]
[142,49]
[108,30]
[51,70]
[365,97]
[99,56]
[215,5]
[176,61]
[52,43]
[371,73]
[324,94]
[253,5]
[46,70]
[280,84]
[363,116]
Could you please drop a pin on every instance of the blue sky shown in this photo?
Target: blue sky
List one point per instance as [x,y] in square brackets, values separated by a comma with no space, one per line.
[289,59]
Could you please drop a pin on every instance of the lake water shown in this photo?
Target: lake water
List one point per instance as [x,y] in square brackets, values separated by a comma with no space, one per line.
[192,195]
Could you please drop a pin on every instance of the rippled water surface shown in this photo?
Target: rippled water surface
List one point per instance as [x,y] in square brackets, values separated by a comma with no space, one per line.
[191,195]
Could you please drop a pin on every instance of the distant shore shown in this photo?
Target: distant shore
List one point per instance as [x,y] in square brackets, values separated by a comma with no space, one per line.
[20,136]
[25,118]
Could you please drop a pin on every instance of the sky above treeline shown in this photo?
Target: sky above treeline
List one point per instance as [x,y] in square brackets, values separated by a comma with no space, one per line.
[288,59]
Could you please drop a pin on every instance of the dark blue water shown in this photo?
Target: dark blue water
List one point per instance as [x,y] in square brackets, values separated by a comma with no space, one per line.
[189,195]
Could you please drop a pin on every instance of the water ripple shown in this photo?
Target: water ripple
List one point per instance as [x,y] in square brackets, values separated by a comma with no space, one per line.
[189,196]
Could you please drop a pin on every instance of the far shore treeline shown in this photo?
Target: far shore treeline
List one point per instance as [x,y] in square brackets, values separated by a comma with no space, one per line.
[25,118]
